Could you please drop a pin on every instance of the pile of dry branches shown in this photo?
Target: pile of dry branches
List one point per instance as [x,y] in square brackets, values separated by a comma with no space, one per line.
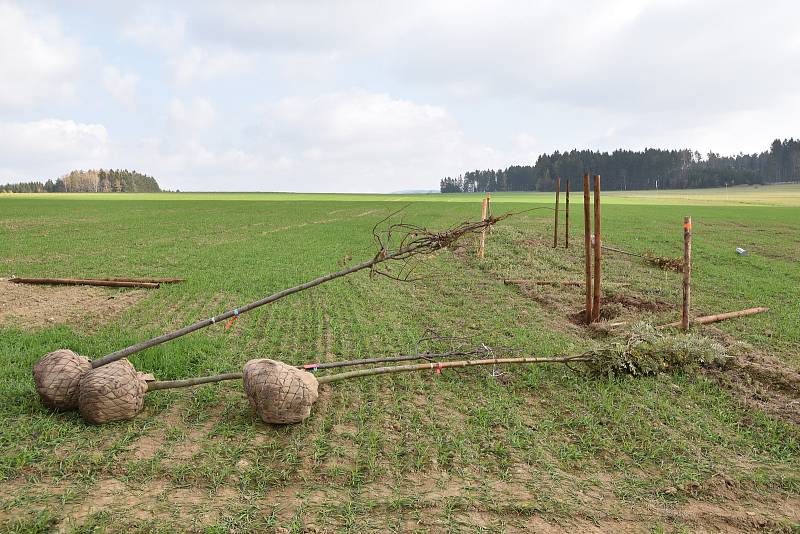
[668,264]
[402,241]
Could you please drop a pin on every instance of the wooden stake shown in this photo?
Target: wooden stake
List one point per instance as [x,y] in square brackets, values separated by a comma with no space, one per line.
[716,318]
[149,280]
[555,223]
[543,282]
[566,219]
[687,272]
[84,282]
[587,247]
[488,208]
[525,282]
[597,249]
[482,246]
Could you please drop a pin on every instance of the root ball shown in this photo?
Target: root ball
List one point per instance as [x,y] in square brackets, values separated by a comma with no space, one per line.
[279,393]
[57,376]
[113,392]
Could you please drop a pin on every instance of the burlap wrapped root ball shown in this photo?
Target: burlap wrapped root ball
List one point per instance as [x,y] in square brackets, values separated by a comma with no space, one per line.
[57,376]
[113,392]
[279,393]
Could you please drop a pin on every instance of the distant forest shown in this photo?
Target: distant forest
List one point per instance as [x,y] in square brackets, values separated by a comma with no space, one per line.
[91,181]
[650,169]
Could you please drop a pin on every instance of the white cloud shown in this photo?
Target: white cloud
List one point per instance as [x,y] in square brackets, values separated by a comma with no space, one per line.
[358,140]
[155,29]
[443,89]
[203,64]
[166,33]
[49,148]
[312,66]
[121,85]
[356,117]
[37,60]
[193,115]
[348,141]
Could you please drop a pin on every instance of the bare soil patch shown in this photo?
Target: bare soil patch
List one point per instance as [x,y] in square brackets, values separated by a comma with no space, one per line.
[614,305]
[741,516]
[36,306]
[148,445]
[765,383]
[638,302]
[192,507]
[193,443]
[607,313]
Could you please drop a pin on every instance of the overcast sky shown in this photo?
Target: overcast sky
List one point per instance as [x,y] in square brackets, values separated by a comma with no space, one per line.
[378,96]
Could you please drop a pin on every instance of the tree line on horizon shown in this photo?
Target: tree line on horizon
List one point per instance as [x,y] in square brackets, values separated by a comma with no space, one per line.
[651,168]
[91,181]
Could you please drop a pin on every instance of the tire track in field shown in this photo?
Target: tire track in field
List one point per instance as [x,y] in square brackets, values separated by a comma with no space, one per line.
[323,221]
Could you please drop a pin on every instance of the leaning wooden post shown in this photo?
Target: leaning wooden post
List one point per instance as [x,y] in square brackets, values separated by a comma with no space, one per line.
[587,247]
[597,248]
[566,219]
[555,223]
[488,208]
[482,245]
[687,272]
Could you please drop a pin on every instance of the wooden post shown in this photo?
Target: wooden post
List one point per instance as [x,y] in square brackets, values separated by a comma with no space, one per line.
[717,317]
[687,272]
[482,245]
[587,247]
[555,222]
[597,249]
[85,282]
[566,219]
[488,207]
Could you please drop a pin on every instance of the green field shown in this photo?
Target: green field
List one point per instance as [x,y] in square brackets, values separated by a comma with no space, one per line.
[537,448]
[773,195]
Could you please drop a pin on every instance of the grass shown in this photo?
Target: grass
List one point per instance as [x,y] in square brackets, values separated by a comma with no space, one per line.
[748,195]
[463,451]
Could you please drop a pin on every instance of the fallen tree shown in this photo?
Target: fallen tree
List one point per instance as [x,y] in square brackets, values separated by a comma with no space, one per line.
[280,393]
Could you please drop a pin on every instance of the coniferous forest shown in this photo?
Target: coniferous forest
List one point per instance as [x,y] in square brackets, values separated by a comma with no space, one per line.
[91,181]
[648,169]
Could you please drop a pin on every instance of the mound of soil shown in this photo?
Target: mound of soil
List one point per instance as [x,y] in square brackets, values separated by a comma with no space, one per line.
[607,313]
[638,302]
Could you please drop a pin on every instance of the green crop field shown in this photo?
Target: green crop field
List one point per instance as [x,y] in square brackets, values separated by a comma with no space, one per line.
[535,449]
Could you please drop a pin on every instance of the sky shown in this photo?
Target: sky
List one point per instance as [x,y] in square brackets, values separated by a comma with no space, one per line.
[382,96]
